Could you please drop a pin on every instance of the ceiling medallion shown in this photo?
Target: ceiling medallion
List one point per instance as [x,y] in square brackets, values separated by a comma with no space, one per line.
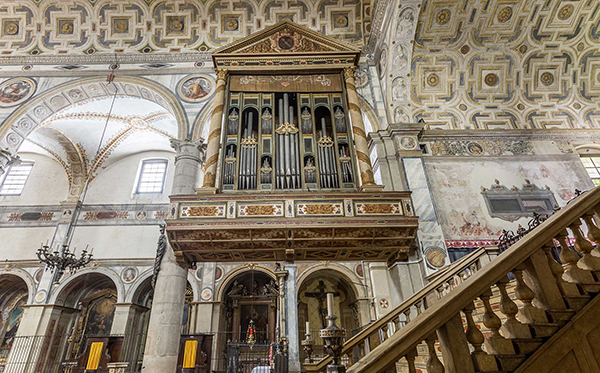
[232,24]
[520,106]
[433,80]
[462,107]
[341,21]
[491,80]
[66,27]
[12,28]
[121,26]
[523,48]
[505,14]
[465,49]
[565,12]
[443,17]
[176,25]
[577,105]
[547,78]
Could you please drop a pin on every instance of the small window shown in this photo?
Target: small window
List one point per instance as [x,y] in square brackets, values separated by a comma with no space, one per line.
[592,166]
[152,176]
[15,179]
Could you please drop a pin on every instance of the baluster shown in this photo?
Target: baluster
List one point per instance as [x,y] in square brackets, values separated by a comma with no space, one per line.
[593,232]
[588,261]
[495,344]
[407,316]
[397,322]
[440,292]
[528,314]
[418,306]
[481,360]
[572,273]
[384,330]
[512,328]
[410,359]
[434,365]
[362,350]
[350,355]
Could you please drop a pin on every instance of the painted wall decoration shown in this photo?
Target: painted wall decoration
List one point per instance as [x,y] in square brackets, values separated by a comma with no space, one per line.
[456,186]
[34,27]
[196,88]
[503,65]
[16,91]
[129,275]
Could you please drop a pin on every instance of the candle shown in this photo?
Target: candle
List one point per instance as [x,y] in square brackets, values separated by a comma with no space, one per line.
[307,328]
[330,304]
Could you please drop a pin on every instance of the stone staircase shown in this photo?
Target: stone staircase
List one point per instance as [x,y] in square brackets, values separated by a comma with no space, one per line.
[472,318]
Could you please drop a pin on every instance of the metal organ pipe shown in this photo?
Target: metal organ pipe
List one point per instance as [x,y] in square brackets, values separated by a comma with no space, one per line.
[322,163]
[293,153]
[280,161]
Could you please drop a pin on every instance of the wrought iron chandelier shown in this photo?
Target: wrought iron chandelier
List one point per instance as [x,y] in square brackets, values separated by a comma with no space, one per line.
[62,259]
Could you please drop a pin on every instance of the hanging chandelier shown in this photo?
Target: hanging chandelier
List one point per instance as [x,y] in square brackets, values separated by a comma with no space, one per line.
[62,259]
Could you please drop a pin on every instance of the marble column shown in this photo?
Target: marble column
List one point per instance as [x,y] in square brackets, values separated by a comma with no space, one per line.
[190,155]
[214,135]
[360,137]
[166,315]
[8,158]
[291,319]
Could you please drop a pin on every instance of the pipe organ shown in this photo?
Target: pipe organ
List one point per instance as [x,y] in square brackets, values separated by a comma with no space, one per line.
[287,139]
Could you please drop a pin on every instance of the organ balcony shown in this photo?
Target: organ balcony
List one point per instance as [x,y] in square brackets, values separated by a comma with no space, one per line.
[239,227]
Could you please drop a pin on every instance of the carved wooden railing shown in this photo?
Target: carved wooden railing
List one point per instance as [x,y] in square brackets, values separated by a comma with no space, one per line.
[446,279]
[559,292]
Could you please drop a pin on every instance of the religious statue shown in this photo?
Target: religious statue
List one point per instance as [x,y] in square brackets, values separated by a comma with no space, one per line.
[340,120]
[237,289]
[233,122]
[270,288]
[266,121]
[306,121]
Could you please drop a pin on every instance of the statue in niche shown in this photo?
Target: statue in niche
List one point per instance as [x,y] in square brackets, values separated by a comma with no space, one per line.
[400,61]
[306,121]
[255,287]
[400,116]
[233,122]
[399,89]
[405,24]
[266,121]
[340,120]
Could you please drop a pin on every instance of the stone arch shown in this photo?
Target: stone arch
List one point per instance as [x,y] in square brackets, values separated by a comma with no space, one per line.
[349,276]
[29,116]
[17,274]
[139,286]
[369,112]
[202,122]
[588,149]
[235,273]
[104,276]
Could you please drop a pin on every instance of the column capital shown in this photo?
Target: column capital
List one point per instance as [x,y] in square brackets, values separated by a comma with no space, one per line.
[189,149]
[349,73]
[221,74]
[8,158]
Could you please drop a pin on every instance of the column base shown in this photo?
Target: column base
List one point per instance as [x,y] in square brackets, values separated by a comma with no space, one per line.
[206,190]
[371,188]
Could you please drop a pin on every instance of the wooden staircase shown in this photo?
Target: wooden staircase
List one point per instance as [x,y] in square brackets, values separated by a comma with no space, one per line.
[551,325]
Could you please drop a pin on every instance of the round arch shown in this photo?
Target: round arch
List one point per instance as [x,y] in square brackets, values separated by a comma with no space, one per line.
[25,277]
[588,149]
[202,122]
[346,274]
[59,294]
[235,273]
[141,284]
[24,120]
[369,112]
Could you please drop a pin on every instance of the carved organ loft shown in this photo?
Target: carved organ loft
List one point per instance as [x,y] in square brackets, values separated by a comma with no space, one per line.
[287,175]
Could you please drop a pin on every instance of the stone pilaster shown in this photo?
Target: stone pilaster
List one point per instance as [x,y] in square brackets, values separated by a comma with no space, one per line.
[7,159]
[190,155]
[291,319]
[214,135]
[360,136]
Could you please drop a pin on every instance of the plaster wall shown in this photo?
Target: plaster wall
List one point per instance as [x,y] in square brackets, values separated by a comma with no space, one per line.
[22,243]
[118,242]
[47,184]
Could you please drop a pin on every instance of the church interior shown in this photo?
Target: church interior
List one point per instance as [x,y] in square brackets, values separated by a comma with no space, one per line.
[252,186]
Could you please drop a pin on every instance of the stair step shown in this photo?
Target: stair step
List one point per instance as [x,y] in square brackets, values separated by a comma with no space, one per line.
[510,362]
[527,346]
[590,287]
[543,330]
[577,302]
[560,317]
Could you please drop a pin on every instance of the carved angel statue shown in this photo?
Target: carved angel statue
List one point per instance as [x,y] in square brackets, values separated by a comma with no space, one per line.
[270,288]
[237,289]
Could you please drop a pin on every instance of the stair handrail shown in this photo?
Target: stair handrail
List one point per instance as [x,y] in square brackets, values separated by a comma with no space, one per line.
[471,262]
[426,324]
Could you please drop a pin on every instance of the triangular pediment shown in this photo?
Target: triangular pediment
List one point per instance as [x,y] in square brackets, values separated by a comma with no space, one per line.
[286,37]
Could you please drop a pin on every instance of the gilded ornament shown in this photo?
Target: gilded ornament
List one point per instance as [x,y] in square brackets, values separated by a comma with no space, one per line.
[349,72]
[341,21]
[523,48]
[520,106]
[11,28]
[565,12]
[267,115]
[66,27]
[433,80]
[577,105]
[377,208]
[310,169]
[266,170]
[176,25]
[221,74]
[443,17]
[121,26]
[203,211]
[547,78]
[230,160]
[462,107]
[491,79]
[260,210]
[320,209]
[465,49]
[345,159]
[249,142]
[505,14]
[325,142]
[286,128]
[231,24]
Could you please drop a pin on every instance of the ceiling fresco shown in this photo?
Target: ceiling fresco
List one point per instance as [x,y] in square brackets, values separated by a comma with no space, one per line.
[38,27]
[479,64]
